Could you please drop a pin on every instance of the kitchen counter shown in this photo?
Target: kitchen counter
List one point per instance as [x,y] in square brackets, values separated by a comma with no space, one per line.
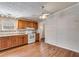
[10,39]
[13,34]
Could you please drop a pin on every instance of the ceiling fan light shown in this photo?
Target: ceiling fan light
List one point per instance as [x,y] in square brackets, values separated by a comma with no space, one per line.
[44,16]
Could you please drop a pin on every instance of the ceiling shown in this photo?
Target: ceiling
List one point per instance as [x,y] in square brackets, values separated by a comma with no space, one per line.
[31,9]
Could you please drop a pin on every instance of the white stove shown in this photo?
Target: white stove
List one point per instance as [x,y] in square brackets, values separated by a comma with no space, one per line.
[31,35]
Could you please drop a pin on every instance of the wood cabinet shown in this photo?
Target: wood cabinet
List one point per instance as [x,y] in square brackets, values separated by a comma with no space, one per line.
[3,45]
[22,24]
[35,25]
[37,37]
[13,41]
[32,24]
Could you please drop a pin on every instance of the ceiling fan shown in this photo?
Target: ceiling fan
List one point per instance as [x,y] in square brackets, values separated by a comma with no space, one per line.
[44,13]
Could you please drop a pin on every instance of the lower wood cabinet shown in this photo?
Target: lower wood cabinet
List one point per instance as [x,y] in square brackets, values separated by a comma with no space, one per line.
[12,41]
[37,37]
[3,43]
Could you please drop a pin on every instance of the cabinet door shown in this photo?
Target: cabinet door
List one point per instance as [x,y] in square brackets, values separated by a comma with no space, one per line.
[19,40]
[27,24]
[25,39]
[9,42]
[35,25]
[4,43]
[21,24]
[37,38]
[0,44]
[14,41]
[30,24]
[22,39]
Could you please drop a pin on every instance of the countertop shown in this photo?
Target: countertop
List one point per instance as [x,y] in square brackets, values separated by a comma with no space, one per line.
[4,35]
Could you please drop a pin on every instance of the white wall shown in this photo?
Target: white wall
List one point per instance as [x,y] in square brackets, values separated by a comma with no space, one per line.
[41,29]
[62,28]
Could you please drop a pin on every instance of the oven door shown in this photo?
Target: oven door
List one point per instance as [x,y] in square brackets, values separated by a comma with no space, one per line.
[31,37]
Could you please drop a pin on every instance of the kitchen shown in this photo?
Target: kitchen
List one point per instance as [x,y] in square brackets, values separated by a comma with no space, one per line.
[39,29]
[17,32]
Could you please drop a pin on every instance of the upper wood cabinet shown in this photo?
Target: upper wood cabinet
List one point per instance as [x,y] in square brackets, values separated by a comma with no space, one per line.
[22,24]
[35,25]
[32,24]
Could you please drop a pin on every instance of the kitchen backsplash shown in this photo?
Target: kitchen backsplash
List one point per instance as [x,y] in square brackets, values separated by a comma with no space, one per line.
[2,32]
